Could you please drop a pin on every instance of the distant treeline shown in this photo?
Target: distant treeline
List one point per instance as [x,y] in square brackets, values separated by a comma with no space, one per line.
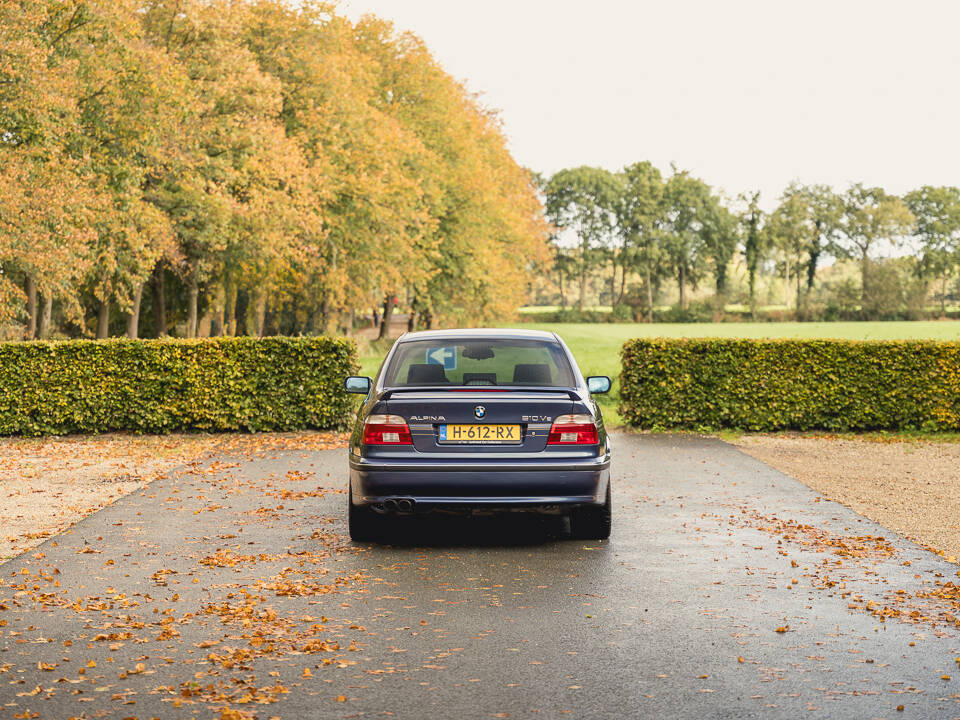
[245,166]
[644,234]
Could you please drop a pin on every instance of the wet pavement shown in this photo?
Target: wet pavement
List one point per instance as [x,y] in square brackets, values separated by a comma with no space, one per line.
[728,589]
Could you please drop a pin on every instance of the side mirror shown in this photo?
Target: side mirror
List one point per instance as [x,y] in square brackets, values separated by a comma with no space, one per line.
[598,384]
[358,385]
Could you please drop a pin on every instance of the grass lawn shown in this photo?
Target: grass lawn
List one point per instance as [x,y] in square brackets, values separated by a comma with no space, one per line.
[597,345]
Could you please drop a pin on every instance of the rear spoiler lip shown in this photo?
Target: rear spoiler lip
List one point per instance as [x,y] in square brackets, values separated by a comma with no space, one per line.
[569,392]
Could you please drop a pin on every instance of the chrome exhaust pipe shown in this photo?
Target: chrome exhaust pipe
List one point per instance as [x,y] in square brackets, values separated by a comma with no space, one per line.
[404,505]
[390,505]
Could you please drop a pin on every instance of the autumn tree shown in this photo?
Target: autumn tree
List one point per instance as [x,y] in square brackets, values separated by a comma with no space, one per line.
[46,205]
[489,232]
[46,216]
[128,100]
[370,217]
[232,187]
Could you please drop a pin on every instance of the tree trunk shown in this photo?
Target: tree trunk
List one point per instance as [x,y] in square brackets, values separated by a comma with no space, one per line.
[721,286]
[786,282]
[46,317]
[244,316]
[583,286]
[387,317]
[133,319]
[752,282]
[259,313]
[428,319]
[943,298]
[324,315]
[159,302]
[814,257]
[229,309]
[799,287]
[563,297]
[583,277]
[682,284]
[649,293]
[103,319]
[623,283]
[864,272]
[812,270]
[31,331]
[193,300]
[412,321]
[216,320]
[613,284]
[205,324]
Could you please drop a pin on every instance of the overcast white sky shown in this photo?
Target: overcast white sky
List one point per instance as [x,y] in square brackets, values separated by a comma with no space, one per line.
[747,94]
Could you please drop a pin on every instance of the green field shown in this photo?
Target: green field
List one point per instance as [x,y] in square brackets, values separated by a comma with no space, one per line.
[597,345]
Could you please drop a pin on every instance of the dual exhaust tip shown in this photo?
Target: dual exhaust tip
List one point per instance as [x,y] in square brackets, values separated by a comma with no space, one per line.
[403,505]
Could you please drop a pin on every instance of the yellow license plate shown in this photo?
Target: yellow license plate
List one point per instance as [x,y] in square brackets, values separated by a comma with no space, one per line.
[483,434]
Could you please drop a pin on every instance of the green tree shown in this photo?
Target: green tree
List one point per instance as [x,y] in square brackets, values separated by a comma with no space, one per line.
[788,232]
[685,202]
[870,215]
[937,213]
[565,265]
[720,239]
[640,219]
[821,210]
[584,200]
[824,210]
[752,220]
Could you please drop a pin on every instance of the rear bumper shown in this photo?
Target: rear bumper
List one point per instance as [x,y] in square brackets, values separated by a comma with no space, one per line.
[489,484]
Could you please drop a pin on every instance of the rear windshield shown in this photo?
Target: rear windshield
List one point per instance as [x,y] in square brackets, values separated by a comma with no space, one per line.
[479,362]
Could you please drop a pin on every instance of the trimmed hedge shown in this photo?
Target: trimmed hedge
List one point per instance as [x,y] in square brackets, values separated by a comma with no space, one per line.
[159,386]
[791,385]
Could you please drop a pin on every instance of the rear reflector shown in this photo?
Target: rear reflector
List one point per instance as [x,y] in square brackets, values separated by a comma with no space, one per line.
[573,430]
[386,430]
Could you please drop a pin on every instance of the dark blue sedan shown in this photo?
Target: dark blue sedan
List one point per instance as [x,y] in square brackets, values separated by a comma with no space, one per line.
[468,421]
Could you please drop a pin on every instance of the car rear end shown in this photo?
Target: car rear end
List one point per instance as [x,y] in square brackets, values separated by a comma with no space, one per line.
[494,425]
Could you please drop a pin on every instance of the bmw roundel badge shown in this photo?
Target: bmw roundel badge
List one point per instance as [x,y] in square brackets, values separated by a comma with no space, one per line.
[479,411]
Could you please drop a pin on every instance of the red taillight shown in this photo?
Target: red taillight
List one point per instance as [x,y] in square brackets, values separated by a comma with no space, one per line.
[386,430]
[473,389]
[573,430]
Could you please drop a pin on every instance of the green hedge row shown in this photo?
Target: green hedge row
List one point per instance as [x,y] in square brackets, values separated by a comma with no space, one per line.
[157,386]
[791,385]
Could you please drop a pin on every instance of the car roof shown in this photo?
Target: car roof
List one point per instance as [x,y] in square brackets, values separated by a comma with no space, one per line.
[474,333]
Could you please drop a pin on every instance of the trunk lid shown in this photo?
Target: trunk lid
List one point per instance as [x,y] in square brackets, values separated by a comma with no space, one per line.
[427,410]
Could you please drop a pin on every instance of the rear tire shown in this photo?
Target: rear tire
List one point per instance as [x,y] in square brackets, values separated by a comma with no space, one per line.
[363,522]
[592,522]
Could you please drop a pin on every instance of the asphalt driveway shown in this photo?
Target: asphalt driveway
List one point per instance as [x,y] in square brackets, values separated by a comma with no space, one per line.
[728,590]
